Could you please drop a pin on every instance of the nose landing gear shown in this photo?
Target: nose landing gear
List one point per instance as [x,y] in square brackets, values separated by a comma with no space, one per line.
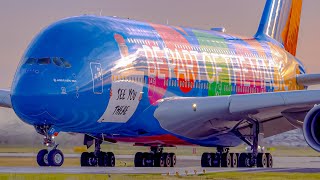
[50,156]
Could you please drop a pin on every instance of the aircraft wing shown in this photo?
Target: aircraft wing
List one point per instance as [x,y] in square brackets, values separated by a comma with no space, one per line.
[5,99]
[202,117]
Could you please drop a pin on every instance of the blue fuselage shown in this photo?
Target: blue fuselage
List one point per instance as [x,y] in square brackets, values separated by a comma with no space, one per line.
[92,75]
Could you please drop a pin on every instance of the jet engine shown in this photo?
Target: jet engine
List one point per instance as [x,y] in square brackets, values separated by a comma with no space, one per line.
[311,128]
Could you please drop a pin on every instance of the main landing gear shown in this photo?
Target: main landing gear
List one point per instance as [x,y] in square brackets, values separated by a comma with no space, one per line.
[155,158]
[233,160]
[50,156]
[98,157]
[223,158]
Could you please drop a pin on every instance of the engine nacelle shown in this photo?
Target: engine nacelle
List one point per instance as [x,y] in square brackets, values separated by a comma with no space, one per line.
[311,128]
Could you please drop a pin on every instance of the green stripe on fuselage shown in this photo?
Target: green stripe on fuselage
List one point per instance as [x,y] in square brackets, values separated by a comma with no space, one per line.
[216,66]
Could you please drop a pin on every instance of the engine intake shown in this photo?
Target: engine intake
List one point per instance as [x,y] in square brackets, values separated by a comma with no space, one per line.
[311,128]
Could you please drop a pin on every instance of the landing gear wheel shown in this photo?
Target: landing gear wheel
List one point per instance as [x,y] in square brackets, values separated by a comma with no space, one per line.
[162,160]
[147,160]
[103,159]
[173,159]
[206,160]
[165,160]
[156,158]
[269,160]
[216,159]
[84,159]
[244,160]
[42,158]
[144,159]
[262,161]
[92,159]
[168,160]
[55,157]
[111,160]
[226,160]
[249,161]
[234,160]
[138,159]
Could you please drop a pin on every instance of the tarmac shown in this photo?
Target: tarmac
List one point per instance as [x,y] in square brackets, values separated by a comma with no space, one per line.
[185,165]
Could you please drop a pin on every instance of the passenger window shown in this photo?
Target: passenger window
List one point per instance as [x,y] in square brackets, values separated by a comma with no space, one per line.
[57,61]
[44,61]
[66,63]
[31,61]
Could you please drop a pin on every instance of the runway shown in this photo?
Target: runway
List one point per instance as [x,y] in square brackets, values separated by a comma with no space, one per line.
[185,165]
[133,170]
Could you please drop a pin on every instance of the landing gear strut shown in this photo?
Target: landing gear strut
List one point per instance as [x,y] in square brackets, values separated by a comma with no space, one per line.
[254,159]
[98,157]
[50,156]
[222,158]
[155,158]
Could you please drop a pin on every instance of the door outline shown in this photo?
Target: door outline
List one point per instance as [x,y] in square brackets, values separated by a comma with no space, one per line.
[97,77]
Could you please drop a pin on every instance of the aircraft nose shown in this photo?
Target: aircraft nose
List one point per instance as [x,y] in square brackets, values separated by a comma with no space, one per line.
[36,99]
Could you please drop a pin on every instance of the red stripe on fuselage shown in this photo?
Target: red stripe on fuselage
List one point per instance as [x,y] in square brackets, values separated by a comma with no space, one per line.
[166,139]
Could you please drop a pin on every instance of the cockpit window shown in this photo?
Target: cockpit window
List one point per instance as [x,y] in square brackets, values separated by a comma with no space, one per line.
[44,61]
[31,61]
[66,63]
[57,61]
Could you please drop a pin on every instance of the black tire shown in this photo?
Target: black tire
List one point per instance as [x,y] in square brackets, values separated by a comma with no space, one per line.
[145,159]
[103,159]
[167,160]
[138,159]
[55,158]
[205,160]
[84,159]
[152,156]
[249,160]
[234,157]
[156,158]
[226,160]
[162,162]
[173,159]
[243,160]
[92,160]
[42,158]
[111,159]
[216,159]
[262,161]
[269,160]
[149,159]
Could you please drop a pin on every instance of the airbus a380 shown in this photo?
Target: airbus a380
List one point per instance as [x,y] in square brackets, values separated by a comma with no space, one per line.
[121,80]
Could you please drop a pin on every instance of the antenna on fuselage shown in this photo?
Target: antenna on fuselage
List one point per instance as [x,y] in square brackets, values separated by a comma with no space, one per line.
[167,21]
[100,12]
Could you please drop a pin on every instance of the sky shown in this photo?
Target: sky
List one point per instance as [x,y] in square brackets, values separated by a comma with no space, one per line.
[21,20]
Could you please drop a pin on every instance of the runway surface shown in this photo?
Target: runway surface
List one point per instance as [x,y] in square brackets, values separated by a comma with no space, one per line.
[185,164]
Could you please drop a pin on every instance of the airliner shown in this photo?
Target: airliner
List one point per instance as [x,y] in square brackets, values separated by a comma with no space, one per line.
[160,86]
